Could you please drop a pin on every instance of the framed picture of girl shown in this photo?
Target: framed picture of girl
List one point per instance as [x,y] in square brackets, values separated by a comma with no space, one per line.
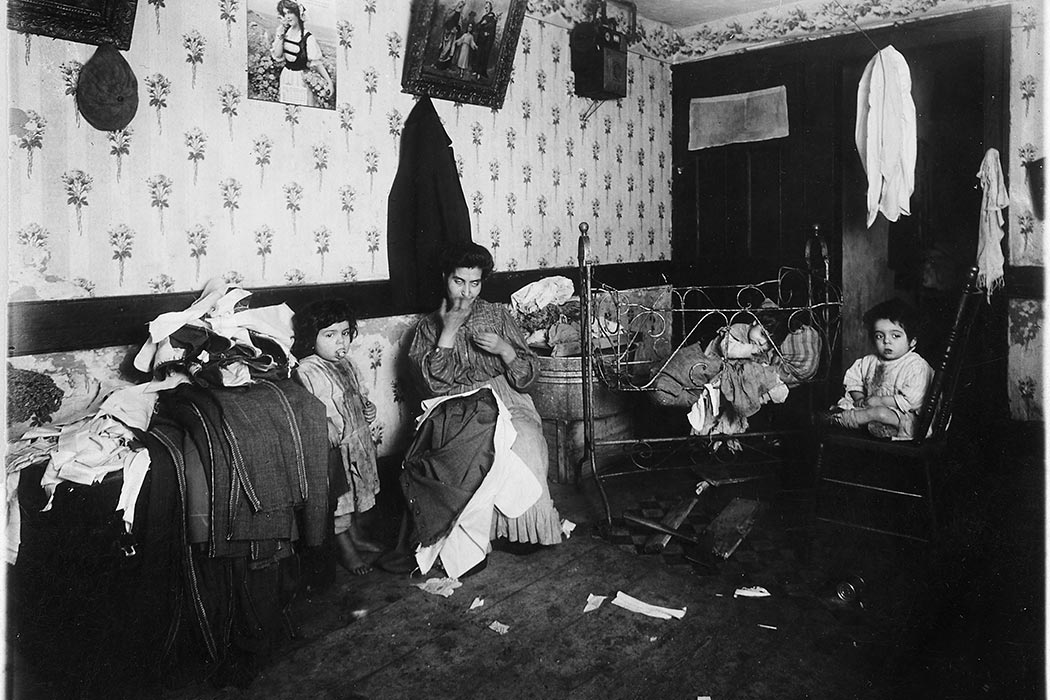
[462,50]
[292,52]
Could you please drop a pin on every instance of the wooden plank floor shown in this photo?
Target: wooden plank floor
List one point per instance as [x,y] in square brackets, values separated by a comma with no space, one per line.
[960,618]
[421,645]
[379,636]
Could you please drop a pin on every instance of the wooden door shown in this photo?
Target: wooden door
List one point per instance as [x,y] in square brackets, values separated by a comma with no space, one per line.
[743,210]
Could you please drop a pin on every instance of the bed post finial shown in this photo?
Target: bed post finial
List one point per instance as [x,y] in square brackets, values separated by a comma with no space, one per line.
[585,244]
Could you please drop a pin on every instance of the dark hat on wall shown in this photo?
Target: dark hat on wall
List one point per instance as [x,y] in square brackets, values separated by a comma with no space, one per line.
[107,90]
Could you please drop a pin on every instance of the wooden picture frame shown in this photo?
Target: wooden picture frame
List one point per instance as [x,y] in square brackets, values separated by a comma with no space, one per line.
[95,22]
[462,50]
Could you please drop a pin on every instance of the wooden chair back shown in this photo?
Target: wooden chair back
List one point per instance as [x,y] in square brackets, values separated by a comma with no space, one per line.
[937,409]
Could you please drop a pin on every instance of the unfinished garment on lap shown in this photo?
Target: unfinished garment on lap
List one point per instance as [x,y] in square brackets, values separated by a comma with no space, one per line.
[451,453]
[464,465]
[540,524]
[464,368]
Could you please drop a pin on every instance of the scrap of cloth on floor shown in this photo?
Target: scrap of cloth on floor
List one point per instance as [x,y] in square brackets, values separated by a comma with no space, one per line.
[459,468]
[622,600]
[740,118]
[994,199]
[885,134]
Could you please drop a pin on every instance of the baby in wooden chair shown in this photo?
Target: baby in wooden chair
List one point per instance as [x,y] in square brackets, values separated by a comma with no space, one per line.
[885,390]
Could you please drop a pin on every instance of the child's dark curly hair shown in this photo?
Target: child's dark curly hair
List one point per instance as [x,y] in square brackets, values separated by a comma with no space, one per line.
[775,322]
[900,312]
[315,317]
[466,255]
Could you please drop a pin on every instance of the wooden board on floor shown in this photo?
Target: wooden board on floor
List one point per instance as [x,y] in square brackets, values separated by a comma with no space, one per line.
[673,520]
[731,526]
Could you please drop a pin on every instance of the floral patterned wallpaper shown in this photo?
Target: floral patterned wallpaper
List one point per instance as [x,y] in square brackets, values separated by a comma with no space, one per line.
[1026,386]
[206,182]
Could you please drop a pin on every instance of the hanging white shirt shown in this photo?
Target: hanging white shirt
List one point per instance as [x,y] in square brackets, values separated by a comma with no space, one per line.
[885,134]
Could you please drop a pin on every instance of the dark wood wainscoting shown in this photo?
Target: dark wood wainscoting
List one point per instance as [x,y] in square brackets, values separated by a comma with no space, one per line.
[81,324]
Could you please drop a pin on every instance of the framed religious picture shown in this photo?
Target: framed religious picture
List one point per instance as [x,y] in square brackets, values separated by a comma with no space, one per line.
[292,52]
[462,50]
[95,22]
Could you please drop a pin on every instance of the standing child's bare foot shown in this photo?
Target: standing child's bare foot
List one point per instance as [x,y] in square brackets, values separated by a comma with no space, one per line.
[348,556]
[362,543]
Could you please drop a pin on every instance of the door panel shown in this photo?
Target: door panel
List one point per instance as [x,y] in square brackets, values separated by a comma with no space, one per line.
[741,210]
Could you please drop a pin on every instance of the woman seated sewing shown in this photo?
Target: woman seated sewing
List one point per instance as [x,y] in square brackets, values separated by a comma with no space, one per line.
[469,344]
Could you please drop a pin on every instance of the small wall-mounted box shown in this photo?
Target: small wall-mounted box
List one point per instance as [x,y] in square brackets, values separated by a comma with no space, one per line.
[599,61]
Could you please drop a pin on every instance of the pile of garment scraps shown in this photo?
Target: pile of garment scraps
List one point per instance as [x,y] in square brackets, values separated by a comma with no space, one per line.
[219,341]
[84,450]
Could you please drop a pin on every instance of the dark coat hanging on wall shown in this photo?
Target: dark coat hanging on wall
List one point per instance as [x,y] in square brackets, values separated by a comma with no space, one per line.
[426,209]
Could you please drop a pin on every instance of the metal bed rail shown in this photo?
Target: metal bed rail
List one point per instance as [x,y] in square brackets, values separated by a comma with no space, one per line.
[693,312]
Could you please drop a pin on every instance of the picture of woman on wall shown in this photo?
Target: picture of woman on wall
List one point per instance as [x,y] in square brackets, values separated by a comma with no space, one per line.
[292,52]
[300,53]
[450,32]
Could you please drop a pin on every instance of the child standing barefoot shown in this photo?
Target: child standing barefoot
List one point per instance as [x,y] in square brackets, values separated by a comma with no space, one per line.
[323,333]
[885,390]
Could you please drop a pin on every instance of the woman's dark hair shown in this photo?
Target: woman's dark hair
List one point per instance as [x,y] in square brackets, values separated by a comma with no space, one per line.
[315,317]
[900,312]
[466,255]
[284,6]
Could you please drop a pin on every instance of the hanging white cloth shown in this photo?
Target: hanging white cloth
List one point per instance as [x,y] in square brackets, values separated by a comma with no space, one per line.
[990,230]
[885,134]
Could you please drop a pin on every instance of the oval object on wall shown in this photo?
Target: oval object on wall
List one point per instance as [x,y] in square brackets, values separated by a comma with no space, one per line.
[107,90]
